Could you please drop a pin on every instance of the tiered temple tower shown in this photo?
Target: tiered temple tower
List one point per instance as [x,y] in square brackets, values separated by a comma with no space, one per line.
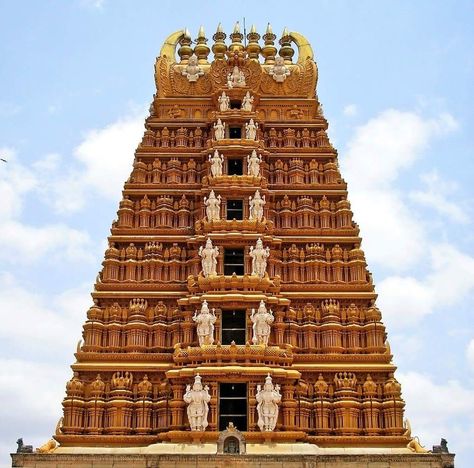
[234,299]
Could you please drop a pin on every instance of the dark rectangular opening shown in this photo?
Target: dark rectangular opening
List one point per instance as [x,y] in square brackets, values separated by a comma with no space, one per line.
[235,209]
[233,327]
[233,262]
[235,167]
[235,104]
[233,405]
[235,132]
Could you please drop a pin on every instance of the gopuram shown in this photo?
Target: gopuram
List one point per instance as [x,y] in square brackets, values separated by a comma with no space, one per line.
[234,321]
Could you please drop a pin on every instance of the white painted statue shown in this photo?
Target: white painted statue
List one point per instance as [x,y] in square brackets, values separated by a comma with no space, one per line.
[213,207]
[247,102]
[219,130]
[224,102]
[208,256]
[267,404]
[279,71]
[205,324]
[253,164]
[251,130]
[217,163]
[259,256]
[192,71]
[236,79]
[261,319]
[198,399]
[256,205]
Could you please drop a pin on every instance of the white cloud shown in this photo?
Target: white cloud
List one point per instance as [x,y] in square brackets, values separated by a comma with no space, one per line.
[379,151]
[350,110]
[435,195]
[107,155]
[405,300]
[470,354]
[47,319]
[439,409]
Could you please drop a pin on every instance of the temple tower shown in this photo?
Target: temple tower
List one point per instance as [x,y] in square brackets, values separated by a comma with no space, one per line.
[234,308]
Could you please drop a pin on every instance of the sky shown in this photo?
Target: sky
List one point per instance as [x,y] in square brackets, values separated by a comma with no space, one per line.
[395,80]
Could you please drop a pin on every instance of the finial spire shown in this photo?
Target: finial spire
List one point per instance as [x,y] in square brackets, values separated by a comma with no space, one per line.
[219,28]
[269,29]
[201,32]
[237,27]
[285,32]
[253,29]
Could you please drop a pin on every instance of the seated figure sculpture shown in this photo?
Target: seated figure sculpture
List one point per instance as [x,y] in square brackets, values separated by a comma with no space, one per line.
[279,71]
[192,71]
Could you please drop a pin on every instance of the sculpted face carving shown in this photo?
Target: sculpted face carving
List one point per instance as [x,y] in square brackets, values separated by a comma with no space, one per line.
[192,71]
[279,71]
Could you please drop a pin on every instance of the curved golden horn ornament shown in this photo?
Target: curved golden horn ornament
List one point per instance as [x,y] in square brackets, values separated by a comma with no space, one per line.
[168,48]
[304,47]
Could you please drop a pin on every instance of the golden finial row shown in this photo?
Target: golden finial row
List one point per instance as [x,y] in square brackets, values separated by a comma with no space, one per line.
[253,48]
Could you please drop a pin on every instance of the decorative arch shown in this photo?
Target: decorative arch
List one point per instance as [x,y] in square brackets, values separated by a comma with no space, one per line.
[231,441]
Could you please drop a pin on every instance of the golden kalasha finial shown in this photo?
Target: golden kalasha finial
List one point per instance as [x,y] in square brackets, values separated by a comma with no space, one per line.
[202,50]
[185,51]
[236,37]
[269,50]
[219,48]
[253,47]
[286,51]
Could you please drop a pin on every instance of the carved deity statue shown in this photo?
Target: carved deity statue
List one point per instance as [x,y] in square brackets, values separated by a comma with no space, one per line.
[216,164]
[208,256]
[236,79]
[219,130]
[259,256]
[251,130]
[224,102]
[279,71]
[256,205]
[253,164]
[247,102]
[205,324]
[261,319]
[198,399]
[192,70]
[267,404]
[213,206]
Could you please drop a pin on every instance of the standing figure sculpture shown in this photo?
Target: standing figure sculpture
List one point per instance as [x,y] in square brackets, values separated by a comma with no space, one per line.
[213,207]
[216,164]
[247,102]
[251,130]
[208,256]
[253,164]
[192,71]
[224,102]
[219,130]
[198,399]
[205,324]
[267,404]
[259,256]
[279,71]
[256,205]
[236,79]
[261,319]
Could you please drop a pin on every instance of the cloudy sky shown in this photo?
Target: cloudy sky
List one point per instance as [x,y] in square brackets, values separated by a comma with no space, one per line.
[396,83]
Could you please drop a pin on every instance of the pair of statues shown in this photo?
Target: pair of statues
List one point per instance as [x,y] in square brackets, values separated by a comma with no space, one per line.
[224,102]
[253,164]
[209,254]
[261,328]
[198,397]
[251,129]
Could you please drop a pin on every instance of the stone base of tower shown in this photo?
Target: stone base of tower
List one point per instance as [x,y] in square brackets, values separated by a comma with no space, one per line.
[257,456]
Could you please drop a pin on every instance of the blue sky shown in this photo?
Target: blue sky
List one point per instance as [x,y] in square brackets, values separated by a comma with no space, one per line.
[395,79]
